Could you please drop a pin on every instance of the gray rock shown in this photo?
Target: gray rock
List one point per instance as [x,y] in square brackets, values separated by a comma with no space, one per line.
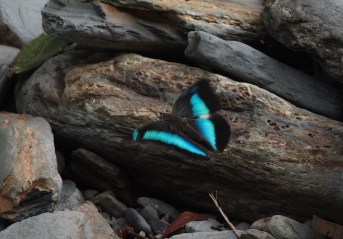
[207,235]
[7,54]
[137,221]
[120,224]
[285,228]
[20,21]
[70,196]
[159,205]
[149,213]
[158,226]
[243,226]
[247,64]
[88,194]
[29,182]
[102,98]
[83,223]
[113,206]
[256,234]
[149,25]
[201,226]
[312,27]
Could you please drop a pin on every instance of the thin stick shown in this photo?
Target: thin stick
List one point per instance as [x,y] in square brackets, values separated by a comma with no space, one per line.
[225,217]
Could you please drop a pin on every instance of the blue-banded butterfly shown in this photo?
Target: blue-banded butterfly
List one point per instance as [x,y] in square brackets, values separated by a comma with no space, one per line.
[194,125]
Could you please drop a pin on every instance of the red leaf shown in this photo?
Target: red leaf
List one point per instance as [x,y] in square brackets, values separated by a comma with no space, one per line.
[182,220]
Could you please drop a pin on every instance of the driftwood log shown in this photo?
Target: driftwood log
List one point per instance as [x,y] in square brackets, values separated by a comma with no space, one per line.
[280,159]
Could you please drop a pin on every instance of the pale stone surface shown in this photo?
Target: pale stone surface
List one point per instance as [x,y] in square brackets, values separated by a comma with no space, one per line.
[29,182]
[85,222]
[20,21]
[280,159]
[7,54]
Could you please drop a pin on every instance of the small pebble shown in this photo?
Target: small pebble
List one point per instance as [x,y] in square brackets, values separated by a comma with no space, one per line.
[113,206]
[158,226]
[137,221]
[149,213]
[120,224]
[89,194]
[159,205]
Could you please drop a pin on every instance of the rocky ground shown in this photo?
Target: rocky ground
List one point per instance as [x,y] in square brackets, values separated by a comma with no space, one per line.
[68,165]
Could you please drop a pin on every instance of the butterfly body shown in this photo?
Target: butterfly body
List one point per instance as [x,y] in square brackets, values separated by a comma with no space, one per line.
[194,126]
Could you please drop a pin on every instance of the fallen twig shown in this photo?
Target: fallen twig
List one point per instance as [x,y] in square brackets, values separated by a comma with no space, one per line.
[225,217]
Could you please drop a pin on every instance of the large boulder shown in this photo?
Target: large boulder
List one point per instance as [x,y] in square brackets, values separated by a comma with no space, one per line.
[29,182]
[83,222]
[313,27]
[280,159]
[146,25]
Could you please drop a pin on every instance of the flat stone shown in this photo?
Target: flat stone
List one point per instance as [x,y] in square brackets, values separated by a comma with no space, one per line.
[312,27]
[207,235]
[159,205]
[113,206]
[151,25]
[70,196]
[243,62]
[201,226]
[82,223]
[137,221]
[256,234]
[20,21]
[284,228]
[29,182]
[293,154]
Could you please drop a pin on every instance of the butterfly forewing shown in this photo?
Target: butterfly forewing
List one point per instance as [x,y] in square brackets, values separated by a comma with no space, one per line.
[196,101]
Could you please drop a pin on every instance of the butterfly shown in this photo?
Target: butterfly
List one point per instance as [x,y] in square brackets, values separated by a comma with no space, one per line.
[194,126]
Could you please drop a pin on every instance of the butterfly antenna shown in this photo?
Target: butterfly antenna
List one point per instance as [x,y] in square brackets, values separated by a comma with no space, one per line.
[342,185]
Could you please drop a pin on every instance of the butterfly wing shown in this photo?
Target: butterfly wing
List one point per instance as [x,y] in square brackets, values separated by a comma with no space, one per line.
[165,132]
[198,100]
[215,130]
[199,104]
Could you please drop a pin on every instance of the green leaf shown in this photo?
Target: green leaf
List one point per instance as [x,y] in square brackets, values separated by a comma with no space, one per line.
[37,51]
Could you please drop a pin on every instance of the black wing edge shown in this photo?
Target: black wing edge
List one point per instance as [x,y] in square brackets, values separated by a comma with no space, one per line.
[182,106]
[222,131]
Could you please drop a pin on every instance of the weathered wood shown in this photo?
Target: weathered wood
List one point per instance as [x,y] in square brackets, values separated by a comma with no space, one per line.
[280,159]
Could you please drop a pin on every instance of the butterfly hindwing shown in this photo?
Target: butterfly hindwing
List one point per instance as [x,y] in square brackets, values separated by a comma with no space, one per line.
[196,101]
[216,131]
[165,132]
